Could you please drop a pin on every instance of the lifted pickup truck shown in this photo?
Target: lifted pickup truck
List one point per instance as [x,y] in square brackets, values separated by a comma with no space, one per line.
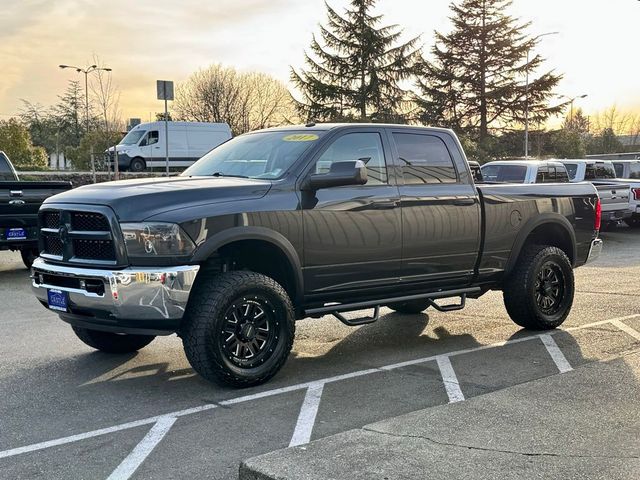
[19,210]
[296,222]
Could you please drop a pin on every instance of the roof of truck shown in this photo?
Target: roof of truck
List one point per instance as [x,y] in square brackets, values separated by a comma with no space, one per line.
[331,126]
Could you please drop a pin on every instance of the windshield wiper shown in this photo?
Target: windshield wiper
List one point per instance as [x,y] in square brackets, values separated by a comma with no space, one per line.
[220,174]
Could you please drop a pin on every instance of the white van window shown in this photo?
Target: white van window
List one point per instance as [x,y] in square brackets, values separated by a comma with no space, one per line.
[150,139]
[133,137]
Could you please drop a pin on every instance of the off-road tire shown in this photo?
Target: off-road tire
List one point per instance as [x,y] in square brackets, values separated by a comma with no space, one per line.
[112,342]
[28,256]
[412,307]
[137,165]
[206,322]
[520,290]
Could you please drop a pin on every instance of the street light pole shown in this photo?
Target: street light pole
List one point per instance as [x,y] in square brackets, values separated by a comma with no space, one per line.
[526,101]
[87,71]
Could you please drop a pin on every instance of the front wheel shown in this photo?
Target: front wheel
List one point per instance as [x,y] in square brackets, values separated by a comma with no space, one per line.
[137,165]
[538,295]
[112,342]
[238,328]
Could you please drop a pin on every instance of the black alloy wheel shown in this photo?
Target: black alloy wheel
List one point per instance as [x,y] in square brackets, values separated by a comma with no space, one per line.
[250,331]
[549,288]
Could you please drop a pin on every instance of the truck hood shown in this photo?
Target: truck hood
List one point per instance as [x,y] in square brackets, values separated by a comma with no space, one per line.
[138,199]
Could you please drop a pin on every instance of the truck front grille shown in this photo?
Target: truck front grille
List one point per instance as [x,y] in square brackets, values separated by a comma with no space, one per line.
[76,236]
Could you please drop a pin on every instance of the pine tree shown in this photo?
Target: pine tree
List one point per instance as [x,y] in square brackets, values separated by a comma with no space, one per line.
[476,79]
[356,71]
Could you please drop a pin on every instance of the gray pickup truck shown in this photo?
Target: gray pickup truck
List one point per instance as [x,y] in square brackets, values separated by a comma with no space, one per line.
[304,221]
[19,210]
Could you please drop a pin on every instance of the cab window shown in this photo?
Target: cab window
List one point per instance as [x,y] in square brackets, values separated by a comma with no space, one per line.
[366,147]
[424,159]
[150,138]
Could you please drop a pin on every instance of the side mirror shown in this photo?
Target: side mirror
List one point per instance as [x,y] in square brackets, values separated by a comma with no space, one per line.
[339,174]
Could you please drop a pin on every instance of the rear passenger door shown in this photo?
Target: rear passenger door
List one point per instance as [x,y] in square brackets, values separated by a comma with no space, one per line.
[440,209]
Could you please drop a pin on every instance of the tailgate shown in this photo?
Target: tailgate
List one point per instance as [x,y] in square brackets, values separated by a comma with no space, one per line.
[20,201]
[613,197]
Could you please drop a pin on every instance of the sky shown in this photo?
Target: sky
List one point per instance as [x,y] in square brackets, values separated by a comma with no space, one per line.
[597,48]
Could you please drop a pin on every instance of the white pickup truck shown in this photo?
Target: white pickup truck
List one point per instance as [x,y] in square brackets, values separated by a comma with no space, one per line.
[614,193]
[628,171]
[524,171]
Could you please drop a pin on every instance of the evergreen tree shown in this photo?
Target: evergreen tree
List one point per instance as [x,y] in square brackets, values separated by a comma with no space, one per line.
[476,79]
[355,72]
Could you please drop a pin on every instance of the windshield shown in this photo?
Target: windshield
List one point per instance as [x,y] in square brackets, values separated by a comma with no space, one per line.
[133,137]
[504,173]
[257,155]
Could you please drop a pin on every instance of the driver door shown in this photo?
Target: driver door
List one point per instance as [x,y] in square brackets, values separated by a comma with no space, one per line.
[352,233]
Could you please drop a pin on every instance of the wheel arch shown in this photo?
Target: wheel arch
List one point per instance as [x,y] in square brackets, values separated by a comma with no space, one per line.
[246,237]
[548,229]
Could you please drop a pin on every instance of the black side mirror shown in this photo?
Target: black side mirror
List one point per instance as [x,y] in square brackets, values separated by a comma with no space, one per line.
[339,174]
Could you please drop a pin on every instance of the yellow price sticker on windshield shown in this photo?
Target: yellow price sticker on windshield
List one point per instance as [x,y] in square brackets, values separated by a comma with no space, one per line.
[300,137]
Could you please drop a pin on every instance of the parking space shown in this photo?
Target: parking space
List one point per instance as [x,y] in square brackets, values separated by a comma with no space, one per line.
[68,412]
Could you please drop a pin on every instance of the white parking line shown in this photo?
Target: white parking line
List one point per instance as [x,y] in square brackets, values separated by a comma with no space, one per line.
[307,416]
[139,454]
[268,393]
[556,354]
[451,384]
[626,328]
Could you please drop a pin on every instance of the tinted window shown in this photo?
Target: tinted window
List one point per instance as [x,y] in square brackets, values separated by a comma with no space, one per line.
[634,170]
[357,146]
[561,174]
[6,173]
[572,169]
[619,167]
[504,173]
[544,175]
[599,170]
[424,159]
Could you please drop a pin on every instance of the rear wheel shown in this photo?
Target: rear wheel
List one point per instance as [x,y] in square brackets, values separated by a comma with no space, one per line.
[410,307]
[238,328]
[112,342]
[137,165]
[539,293]
[28,256]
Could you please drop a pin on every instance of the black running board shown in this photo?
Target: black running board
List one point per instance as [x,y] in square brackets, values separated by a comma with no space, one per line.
[350,307]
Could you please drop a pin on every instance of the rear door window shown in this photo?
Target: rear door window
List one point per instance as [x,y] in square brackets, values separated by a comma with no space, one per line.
[504,173]
[634,170]
[424,159]
[562,175]
[544,174]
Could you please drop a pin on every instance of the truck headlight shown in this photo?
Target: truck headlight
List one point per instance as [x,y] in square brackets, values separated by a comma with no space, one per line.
[156,239]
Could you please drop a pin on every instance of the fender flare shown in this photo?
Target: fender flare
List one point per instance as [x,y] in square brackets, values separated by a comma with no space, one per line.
[530,226]
[215,242]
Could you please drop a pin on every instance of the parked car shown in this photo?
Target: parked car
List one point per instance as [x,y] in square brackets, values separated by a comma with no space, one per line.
[304,221]
[145,145]
[19,210]
[614,194]
[524,171]
[628,171]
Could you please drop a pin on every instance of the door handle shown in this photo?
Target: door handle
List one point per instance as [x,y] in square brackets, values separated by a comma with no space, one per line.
[464,201]
[385,205]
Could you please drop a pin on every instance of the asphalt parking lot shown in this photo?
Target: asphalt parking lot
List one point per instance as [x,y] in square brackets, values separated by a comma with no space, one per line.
[71,413]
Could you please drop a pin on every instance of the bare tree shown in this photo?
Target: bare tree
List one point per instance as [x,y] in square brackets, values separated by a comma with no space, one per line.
[246,101]
[106,99]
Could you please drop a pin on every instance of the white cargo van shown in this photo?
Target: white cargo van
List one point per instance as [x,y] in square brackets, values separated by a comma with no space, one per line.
[144,145]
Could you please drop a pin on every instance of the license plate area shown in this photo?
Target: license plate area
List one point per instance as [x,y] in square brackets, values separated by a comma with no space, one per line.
[16,234]
[58,300]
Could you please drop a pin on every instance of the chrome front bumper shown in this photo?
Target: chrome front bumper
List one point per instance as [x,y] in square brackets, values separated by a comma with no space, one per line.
[594,250]
[133,295]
